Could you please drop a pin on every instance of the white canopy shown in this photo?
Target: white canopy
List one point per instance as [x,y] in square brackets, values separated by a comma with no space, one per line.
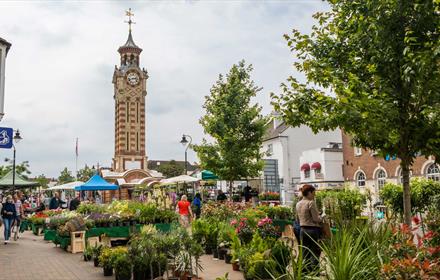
[178,179]
[67,186]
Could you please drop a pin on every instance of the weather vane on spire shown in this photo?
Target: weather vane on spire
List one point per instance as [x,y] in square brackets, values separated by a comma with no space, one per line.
[129,14]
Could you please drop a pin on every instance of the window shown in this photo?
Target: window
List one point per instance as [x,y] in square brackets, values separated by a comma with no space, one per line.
[360,179]
[306,173]
[381,179]
[127,113]
[357,151]
[127,143]
[433,172]
[400,177]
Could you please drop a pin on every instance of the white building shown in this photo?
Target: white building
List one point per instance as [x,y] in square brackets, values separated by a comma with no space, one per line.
[4,48]
[322,167]
[284,146]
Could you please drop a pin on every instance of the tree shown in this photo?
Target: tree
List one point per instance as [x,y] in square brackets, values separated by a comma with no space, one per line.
[42,181]
[65,177]
[236,126]
[21,169]
[85,173]
[171,169]
[373,70]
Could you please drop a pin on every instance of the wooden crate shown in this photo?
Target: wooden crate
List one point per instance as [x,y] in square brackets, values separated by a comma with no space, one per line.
[78,241]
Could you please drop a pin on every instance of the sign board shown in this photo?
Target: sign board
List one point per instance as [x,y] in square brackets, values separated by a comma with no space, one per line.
[6,137]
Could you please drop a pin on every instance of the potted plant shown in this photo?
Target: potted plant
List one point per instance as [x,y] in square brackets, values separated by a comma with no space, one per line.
[96,251]
[88,253]
[122,266]
[105,260]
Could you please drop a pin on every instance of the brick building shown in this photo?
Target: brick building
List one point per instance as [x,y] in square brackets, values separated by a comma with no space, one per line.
[365,169]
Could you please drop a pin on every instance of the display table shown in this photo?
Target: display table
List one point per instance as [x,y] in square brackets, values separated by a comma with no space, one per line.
[25,225]
[37,229]
[50,234]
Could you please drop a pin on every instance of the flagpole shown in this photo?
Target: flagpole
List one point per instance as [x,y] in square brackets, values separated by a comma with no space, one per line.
[76,159]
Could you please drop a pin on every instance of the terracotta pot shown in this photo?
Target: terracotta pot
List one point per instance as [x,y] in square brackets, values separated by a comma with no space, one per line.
[235,266]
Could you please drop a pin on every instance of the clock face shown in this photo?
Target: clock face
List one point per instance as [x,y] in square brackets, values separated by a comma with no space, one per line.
[133,78]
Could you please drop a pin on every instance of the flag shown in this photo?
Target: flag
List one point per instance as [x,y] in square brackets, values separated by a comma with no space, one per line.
[76,147]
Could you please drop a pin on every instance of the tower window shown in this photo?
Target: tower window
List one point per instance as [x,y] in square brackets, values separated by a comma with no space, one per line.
[137,141]
[127,142]
[127,112]
[137,112]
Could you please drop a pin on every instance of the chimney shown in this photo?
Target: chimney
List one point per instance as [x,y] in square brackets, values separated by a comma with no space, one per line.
[276,119]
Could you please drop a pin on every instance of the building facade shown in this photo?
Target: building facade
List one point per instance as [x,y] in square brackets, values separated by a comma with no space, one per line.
[4,49]
[322,167]
[366,169]
[130,90]
[283,146]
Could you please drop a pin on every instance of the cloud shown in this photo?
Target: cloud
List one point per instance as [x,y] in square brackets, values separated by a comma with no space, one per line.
[60,67]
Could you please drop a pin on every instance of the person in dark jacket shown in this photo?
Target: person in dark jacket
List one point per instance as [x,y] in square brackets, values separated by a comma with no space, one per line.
[56,202]
[74,203]
[221,196]
[9,214]
[197,202]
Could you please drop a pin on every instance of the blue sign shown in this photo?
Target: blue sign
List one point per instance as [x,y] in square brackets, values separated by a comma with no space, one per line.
[6,137]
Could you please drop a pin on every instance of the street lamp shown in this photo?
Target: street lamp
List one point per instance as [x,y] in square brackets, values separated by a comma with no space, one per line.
[17,138]
[185,142]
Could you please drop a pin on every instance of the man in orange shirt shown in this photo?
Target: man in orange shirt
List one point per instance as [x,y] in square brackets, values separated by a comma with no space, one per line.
[184,210]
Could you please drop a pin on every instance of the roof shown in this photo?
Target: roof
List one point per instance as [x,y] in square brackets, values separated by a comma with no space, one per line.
[96,183]
[4,42]
[130,45]
[154,164]
[6,181]
[272,132]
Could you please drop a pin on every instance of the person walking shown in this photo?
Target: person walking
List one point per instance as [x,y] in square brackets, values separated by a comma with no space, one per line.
[311,228]
[15,227]
[184,210]
[8,214]
[197,202]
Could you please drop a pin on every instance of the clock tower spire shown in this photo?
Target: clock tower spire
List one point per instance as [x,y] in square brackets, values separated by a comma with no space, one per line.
[130,90]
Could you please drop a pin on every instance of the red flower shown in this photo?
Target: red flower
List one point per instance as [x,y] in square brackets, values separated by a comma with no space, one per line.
[416,220]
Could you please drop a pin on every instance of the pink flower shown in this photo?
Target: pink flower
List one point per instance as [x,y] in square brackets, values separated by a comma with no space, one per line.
[234,222]
[416,220]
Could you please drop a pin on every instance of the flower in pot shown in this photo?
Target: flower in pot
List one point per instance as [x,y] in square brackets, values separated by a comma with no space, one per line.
[105,260]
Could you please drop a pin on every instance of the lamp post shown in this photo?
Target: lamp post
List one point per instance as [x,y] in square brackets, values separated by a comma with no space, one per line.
[17,138]
[185,142]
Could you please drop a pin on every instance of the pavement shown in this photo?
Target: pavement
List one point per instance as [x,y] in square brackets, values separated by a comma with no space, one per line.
[32,258]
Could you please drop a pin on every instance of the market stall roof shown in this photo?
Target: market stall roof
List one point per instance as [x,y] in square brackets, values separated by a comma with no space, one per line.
[179,179]
[208,175]
[96,183]
[67,186]
[20,182]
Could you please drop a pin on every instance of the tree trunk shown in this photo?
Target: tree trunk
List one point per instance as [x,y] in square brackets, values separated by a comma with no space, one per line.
[406,192]
[230,190]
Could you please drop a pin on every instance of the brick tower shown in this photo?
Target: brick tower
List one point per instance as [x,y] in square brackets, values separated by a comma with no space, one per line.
[130,90]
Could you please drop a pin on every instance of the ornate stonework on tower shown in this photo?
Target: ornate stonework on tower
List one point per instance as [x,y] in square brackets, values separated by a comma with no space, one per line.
[130,90]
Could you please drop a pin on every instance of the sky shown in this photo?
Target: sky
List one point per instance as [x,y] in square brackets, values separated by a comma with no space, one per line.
[60,66]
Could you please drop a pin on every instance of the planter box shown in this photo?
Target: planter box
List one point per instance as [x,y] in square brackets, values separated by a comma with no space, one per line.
[163,227]
[50,234]
[37,229]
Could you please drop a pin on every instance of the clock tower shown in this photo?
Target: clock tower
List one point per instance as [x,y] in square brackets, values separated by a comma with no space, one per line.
[130,90]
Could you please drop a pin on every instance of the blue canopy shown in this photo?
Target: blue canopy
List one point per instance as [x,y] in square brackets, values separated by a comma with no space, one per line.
[96,183]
